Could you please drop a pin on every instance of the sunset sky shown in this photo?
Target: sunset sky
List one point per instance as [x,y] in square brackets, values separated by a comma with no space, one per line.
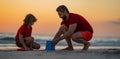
[103,15]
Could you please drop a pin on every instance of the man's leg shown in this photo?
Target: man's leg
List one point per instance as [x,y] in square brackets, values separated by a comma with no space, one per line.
[70,47]
[68,40]
[77,37]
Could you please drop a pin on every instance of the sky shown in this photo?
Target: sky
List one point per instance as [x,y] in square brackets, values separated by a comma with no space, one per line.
[103,15]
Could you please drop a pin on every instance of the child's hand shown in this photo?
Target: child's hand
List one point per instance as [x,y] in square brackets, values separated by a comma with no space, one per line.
[26,48]
[31,48]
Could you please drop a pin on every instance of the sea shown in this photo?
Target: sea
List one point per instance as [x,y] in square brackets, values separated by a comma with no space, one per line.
[8,40]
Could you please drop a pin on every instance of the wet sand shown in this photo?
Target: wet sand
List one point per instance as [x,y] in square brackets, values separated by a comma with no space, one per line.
[92,53]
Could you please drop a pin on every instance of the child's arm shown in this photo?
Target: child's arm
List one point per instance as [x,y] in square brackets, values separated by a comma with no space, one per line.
[22,41]
[31,45]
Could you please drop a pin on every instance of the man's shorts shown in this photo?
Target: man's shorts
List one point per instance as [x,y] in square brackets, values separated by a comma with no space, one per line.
[86,35]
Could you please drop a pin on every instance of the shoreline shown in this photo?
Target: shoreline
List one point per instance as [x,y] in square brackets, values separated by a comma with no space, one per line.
[62,47]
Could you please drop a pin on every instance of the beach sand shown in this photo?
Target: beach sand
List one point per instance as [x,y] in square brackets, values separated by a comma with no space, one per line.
[92,53]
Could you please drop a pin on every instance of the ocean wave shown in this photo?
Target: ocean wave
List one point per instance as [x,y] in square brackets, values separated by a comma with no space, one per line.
[7,38]
[96,41]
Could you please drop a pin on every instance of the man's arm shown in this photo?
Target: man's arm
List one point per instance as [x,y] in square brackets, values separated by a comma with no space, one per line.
[70,31]
[58,35]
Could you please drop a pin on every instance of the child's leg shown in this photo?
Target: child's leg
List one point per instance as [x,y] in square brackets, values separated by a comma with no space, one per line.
[18,44]
[36,45]
[31,44]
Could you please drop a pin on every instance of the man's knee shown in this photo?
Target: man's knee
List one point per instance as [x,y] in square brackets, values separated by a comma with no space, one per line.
[75,37]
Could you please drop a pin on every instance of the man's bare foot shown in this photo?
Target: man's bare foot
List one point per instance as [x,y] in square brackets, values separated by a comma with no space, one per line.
[69,48]
[86,46]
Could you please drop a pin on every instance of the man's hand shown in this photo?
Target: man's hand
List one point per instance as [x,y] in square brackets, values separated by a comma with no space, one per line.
[56,40]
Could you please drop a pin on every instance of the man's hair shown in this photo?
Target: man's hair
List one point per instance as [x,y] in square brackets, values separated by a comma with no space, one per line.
[62,8]
[29,18]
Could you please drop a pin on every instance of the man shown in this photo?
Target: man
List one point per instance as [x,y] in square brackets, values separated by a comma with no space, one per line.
[73,26]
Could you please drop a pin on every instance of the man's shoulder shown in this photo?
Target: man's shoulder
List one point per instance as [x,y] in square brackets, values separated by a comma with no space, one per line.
[74,14]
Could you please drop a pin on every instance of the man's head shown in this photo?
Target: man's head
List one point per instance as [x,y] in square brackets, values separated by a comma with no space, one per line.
[62,11]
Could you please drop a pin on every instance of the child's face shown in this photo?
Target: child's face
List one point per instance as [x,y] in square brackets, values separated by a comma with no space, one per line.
[31,22]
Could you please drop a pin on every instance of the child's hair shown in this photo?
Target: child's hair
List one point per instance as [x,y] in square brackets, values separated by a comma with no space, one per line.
[29,18]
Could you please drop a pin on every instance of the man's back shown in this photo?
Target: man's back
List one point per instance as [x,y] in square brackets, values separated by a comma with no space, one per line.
[82,23]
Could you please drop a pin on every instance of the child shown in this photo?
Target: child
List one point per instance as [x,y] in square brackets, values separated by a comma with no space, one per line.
[23,37]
